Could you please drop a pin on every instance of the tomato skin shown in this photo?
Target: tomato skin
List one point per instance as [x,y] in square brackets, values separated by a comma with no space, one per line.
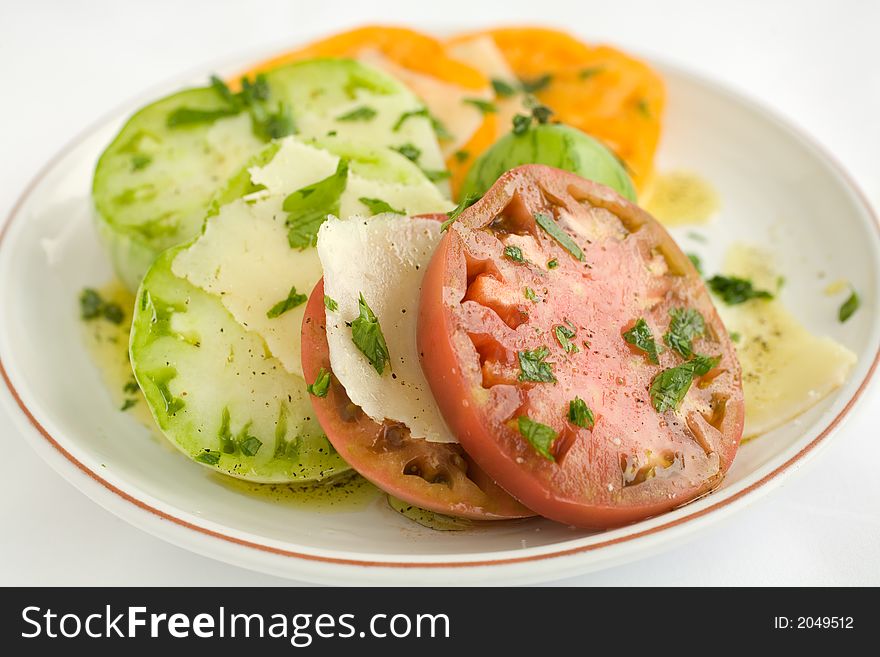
[590,485]
[382,452]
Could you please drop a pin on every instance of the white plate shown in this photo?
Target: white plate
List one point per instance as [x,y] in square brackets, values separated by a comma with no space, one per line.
[776,187]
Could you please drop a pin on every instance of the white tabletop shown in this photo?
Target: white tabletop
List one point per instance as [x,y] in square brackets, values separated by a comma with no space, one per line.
[66,63]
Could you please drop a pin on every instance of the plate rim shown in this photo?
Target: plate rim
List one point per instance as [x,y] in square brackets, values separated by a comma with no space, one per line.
[738,499]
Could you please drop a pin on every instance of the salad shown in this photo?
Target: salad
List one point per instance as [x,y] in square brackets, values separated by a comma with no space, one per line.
[425,261]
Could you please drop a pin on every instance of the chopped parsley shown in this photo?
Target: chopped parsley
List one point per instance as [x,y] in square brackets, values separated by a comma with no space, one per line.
[686,324]
[696,262]
[503,89]
[849,306]
[589,72]
[735,336]
[250,445]
[564,335]
[640,337]
[321,385]
[409,151]
[363,113]
[461,156]
[540,436]
[484,106]
[131,387]
[555,231]
[552,264]
[293,300]
[367,336]
[534,85]
[378,206]
[453,214]
[93,306]
[514,253]
[541,113]
[643,108]
[580,414]
[532,365]
[521,123]
[128,403]
[439,128]
[330,303]
[530,295]
[308,207]
[669,388]
[208,457]
[436,175]
[734,290]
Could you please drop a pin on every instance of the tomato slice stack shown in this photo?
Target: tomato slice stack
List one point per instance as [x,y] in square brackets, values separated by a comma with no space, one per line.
[574,351]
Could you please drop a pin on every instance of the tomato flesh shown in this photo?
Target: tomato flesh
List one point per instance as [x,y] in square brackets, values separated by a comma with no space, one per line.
[435,476]
[495,293]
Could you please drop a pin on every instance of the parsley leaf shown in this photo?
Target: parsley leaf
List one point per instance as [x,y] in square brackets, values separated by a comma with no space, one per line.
[409,151]
[580,414]
[90,304]
[590,71]
[640,336]
[532,366]
[552,264]
[534,85]
[439,128]
[250,445]
[521,123]
[686,324]
[503,89]
[293,300]
[208,457]
[308,207]
[436,175]
[363,113]
[453,214]
[669,388]
[849,306]
[564,335]
[540,436]
[734,290]
[484,106]
[321,385]
[330,303]
[697,263]
[367,336]
[555,231]
[378,206]
[514,253]
[461,156]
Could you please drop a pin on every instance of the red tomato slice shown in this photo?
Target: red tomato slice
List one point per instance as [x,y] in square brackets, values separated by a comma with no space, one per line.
[435,476]
[493,300]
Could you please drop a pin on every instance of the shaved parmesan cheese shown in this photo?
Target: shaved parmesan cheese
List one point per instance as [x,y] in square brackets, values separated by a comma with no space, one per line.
[483,54]
[383,258]
[445,101]
[243,255]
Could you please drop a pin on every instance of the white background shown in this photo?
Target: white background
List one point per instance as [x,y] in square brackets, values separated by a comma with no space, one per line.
[66,63]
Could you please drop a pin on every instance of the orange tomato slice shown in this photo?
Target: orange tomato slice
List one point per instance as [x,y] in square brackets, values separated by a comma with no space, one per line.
[598,89]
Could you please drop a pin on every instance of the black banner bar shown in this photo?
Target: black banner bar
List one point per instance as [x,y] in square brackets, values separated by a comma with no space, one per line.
[434,621]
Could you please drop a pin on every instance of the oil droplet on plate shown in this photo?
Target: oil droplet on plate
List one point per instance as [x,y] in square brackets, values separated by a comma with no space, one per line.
[678,198]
